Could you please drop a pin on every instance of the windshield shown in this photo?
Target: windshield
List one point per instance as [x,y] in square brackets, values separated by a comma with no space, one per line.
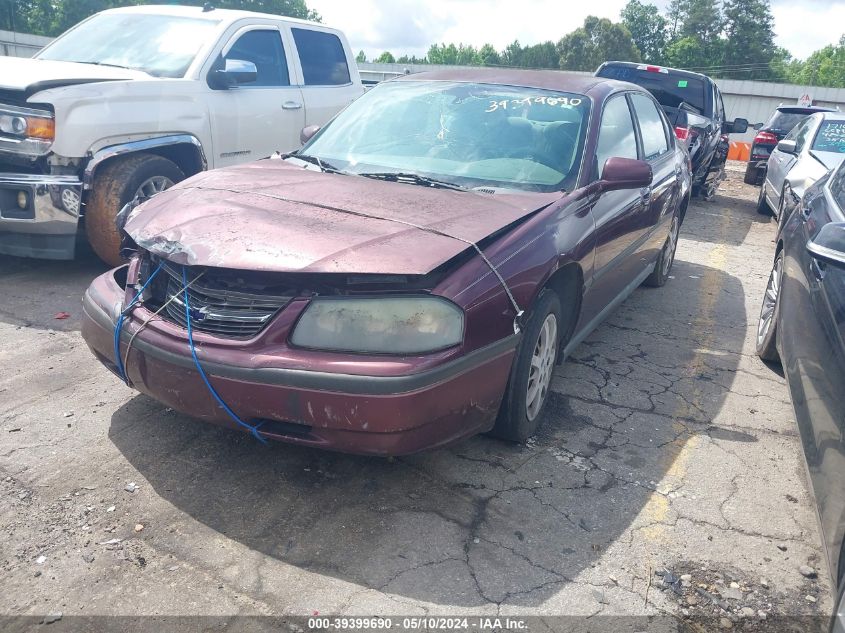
[670,89]
[830,137]
[472,135]
[783,122]
[161,45]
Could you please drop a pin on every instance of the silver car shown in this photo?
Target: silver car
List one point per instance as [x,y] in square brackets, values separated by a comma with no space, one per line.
[808,152]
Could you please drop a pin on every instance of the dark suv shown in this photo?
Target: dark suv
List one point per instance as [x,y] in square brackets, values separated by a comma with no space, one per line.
[696,110]
[783,119]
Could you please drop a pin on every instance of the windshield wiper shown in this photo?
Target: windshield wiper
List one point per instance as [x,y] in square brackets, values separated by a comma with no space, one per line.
[413,179]
[314,160]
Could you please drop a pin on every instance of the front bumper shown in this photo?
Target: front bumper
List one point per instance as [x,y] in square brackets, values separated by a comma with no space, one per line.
[47,224]
[393,413]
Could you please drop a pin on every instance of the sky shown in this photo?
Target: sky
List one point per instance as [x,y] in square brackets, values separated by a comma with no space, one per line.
[411,26]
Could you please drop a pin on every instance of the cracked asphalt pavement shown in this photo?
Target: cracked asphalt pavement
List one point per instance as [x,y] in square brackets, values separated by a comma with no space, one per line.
[667,479]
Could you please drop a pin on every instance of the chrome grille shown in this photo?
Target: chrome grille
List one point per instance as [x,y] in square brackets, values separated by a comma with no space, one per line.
[218,309]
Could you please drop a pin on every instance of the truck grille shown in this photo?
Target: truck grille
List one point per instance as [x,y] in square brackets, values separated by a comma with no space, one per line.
[221,303]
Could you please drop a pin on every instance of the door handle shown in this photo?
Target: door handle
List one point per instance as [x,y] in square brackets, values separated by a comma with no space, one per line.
[291,105]
[645,194]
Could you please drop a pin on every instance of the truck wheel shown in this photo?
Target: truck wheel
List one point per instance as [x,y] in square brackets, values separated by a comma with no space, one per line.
[528,387]
[139,176]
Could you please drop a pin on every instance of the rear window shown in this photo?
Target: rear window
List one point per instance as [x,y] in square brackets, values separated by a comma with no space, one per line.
[783,121]
[830,137]
[322,56]
[670,89]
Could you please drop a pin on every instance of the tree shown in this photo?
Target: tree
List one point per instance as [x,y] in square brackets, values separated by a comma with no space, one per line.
[648,30]
[361,57]
[825,67]
[599,40]
[543,55]
[695,28]
[512,55]
[53,17]
[749,46]
[488,56]
[386,58]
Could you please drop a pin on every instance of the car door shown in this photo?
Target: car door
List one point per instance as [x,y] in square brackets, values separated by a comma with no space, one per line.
[324,73]
[253,120]
[658,151]
[811,337]
[780,162]
[620,216]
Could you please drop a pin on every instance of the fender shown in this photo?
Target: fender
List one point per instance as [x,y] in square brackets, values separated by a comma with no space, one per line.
[120,149]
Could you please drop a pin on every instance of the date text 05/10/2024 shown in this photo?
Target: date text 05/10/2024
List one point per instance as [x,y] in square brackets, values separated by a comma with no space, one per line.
[417,623]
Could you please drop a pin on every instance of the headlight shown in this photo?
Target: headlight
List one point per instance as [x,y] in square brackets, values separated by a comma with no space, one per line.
[384,325]
[27,123]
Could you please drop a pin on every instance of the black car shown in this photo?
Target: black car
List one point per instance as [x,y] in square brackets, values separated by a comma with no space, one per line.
[696,110]
[783,119]
[802,323]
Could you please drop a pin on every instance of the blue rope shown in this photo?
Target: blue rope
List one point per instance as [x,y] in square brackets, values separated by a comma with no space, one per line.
[118,327]
[212,390]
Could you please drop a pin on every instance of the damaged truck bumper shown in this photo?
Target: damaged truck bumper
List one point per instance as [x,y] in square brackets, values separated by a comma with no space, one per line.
[375,408]
[39,215]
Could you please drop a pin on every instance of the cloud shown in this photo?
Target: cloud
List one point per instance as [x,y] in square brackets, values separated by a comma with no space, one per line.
[411,26]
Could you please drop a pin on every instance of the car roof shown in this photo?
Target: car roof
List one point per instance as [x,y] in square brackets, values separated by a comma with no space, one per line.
[830,116]
[542,79]
[218,15]
[674,71]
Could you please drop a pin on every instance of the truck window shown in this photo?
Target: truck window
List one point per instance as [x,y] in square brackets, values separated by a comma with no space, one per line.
[323,58]
[616,134]
[264,49]
[669,88]
[652,129]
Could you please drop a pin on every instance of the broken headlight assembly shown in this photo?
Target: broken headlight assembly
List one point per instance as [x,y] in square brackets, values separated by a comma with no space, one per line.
[380,325]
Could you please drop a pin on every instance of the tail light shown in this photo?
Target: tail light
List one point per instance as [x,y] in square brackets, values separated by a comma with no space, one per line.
[682,133]
[766,138]
[653,69]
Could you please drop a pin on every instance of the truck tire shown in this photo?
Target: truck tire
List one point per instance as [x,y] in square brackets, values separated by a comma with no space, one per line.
[116,184]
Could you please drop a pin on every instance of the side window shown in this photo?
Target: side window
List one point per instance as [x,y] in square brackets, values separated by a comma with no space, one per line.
[264,49]
[837,187]
[323,58]
[801,135]
[616,134]
[655,141]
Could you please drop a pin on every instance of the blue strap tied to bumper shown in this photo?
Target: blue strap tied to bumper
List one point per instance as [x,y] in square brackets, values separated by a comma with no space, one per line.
[121,370]
[252,429]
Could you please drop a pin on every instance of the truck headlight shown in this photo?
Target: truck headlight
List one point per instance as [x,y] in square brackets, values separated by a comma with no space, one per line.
[383,325]
[27,123]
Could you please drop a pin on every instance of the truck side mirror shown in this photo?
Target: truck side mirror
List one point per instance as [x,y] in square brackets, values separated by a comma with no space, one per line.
[234,72]
[829,245]
[738,126]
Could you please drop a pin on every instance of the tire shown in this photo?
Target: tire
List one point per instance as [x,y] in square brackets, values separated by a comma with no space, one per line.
[763,207]
[117,183]
[519,416]
[660,274]
[782,213]
[769,311]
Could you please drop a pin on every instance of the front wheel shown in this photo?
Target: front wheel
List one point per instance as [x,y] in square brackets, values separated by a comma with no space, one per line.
[763,207]
[528,388]
[767,325]
[135,178]
[660,275]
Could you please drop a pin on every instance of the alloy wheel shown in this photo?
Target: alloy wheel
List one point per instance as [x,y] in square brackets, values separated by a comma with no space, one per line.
[150,187]
[770,299]
[542,363]
[671,245]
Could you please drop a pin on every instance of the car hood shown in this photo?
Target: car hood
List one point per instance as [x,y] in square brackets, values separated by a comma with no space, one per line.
[33,75]
[273,216]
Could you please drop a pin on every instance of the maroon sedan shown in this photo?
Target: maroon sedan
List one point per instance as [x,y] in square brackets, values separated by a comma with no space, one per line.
[411,275]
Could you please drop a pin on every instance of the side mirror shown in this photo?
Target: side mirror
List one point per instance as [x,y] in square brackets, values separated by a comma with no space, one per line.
[738,126]
[829,245]
[787,147]
[307,132]
[757,126]
[235,71]
[625,173]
